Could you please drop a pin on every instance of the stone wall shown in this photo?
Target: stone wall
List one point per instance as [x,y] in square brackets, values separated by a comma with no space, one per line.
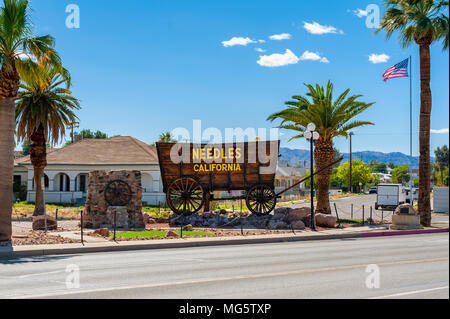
[97,211]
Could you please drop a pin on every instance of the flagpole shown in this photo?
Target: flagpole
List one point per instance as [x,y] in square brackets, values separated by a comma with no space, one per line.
[410,125]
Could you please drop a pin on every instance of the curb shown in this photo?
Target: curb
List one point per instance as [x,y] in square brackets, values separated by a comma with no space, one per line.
[405,232]
[36,252]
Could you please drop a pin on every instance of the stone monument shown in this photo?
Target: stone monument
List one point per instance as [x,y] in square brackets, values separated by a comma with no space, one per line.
[405,217]
[114,193]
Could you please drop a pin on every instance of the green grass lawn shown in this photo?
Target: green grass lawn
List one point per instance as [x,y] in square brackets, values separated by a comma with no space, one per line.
[158,233]
[350,221]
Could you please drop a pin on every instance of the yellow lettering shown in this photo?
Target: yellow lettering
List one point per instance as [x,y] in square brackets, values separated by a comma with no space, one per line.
[238,153]
[202,154]
[216,153]
[210,154]
[195,154]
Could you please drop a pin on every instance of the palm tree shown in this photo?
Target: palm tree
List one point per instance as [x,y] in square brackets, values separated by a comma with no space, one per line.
[424,22]
[43,110]
[332,119]
[166,138]
[16,43]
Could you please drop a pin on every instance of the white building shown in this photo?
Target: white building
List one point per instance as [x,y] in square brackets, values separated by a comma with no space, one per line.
[384,178]
[286,176]
[68,168]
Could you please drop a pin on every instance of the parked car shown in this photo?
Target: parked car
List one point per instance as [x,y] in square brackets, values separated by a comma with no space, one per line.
[373,190]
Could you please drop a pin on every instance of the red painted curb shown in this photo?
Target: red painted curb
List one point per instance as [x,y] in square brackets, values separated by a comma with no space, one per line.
[405,232]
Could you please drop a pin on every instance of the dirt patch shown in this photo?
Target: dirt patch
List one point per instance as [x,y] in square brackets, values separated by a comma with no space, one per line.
[39,238]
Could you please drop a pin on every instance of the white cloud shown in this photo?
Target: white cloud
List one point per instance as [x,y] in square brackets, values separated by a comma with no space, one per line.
[442,131]
[262,41]
[237,41]
[282,36]
[260,50]
[316,28]
[312,56]
[360,13]
[25,56]
[278,59]
[379,58]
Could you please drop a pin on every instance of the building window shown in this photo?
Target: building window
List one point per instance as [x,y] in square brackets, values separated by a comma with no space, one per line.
[18,179]
[83,183]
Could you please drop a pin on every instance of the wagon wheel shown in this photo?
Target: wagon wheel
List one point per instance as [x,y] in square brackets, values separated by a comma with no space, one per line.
[118,193]
[185,196]
[261,200]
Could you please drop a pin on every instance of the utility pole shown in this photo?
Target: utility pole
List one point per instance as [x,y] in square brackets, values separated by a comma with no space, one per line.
[72,126]
[351,182]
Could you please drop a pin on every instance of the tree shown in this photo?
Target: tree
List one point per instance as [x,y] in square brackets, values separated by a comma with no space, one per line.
[360,173]
[16,43]
[379,168]
[44,108]
[166,138]
[391,165]
[26,147]
[422,22]
[88,134]
[401,175]
[98,135]
[332,118]
[442,159]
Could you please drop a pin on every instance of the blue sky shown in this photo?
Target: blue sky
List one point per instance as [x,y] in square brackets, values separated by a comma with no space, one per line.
[143,67]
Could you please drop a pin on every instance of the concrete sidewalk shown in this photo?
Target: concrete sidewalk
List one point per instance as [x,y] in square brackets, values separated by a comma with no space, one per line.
[110,246]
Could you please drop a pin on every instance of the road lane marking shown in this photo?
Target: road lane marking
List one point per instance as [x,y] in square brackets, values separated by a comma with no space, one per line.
[243,277]
[410,293]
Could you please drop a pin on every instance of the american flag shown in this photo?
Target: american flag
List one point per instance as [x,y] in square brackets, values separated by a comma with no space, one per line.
[399,70]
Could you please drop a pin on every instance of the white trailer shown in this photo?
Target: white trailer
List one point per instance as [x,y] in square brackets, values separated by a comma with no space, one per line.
[389,196]
[440,199]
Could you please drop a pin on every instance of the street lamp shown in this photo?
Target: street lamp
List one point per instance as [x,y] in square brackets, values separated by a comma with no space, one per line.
[311,135]
[351,181]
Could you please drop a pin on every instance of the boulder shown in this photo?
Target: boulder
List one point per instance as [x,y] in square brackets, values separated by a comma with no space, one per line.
[301,214]
[323,220]
[172,234]
[39,223]
[411,210]
[102,232]
[282,210]
[298,225]
[281,225]
[145,218]
[188,228]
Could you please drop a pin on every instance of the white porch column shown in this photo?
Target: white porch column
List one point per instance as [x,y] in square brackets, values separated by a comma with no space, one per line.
[72,185]
[51,185]
[156,186]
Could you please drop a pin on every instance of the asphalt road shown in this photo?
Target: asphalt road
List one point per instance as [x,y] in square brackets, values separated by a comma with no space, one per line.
[409,267]
[344,207]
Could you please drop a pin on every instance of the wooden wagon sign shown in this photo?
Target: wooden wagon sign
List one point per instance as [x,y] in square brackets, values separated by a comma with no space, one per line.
[192,172]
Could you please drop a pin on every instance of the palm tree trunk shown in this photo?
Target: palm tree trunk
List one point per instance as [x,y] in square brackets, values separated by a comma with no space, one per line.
[38,157]
[39,208]
[324,154]
[424,139]
[7,123]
